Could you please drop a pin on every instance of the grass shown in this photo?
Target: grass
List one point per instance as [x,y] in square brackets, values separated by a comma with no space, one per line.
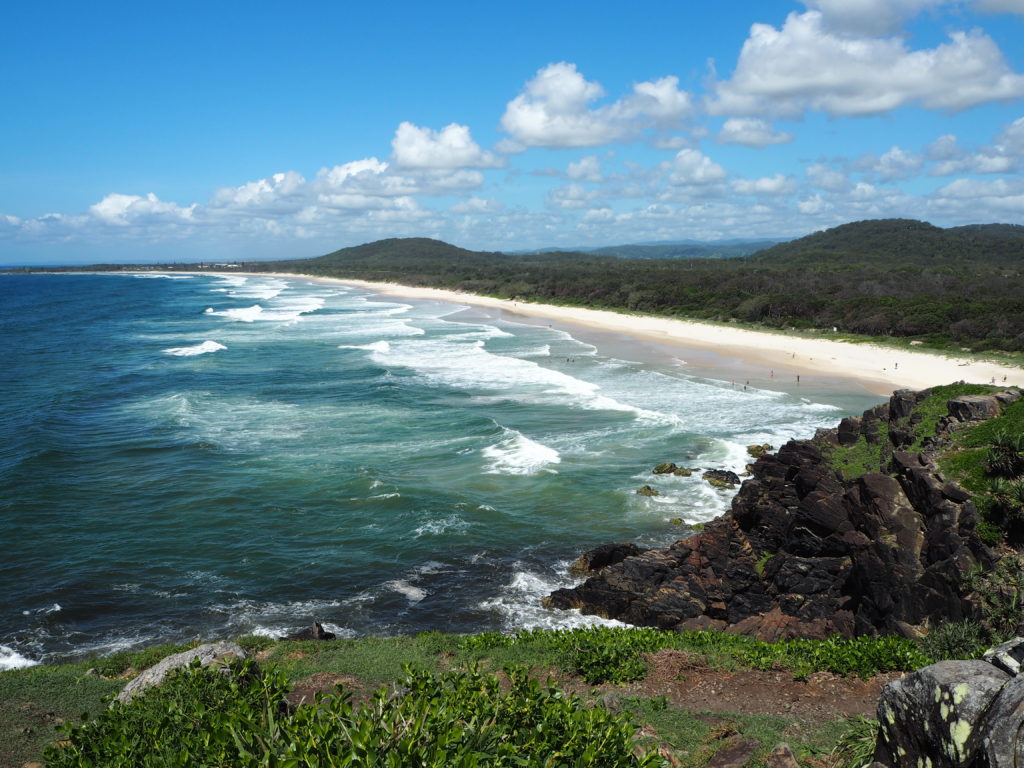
[39,697]
[34,702]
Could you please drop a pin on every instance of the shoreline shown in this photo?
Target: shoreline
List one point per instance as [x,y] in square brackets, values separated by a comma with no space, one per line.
[773,359]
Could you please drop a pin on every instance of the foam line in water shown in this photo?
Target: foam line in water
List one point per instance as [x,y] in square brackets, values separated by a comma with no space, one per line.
[166,277]
[516,454]
[199,349]
[239,314]
[376,346]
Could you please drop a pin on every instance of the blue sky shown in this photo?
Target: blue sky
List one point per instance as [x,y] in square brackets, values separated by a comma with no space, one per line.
[227,130]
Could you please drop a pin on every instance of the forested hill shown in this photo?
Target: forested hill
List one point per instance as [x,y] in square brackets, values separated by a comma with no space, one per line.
[893,277]
[904,241]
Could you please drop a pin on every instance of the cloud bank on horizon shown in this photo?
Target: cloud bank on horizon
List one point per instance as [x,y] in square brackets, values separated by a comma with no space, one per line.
[826,111]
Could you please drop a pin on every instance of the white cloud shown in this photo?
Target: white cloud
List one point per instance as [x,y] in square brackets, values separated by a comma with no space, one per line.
[813,205]
[898,164]
[477,205]
[554,111]
[451,147]
[572,196]
[125,210]
[266,194]
[585,169]
[823,177]
[1011,140]
[1000,6]
[805,66]
[943,148]
[769,185]
[869,17]
[751,132]
[690,167]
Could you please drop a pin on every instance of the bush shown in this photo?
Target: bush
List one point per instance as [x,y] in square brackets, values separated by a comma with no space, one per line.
[200,717]
[954,640]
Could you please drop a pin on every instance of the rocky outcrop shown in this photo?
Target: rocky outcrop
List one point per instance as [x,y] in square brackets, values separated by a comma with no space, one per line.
[804,552]
[955,714]
[211,654]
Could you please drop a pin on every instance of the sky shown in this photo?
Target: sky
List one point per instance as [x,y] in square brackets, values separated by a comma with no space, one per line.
[140,132]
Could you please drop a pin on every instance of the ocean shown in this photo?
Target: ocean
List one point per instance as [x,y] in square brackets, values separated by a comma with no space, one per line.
[188,457]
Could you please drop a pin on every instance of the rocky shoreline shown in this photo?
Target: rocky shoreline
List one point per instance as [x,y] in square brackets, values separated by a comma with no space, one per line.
[805,551]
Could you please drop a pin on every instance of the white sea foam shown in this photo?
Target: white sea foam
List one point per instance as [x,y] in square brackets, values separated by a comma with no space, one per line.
[166,277]
[516,454]
[440,525]
[238,314]
[519,602]
[376,346]
[466,364]
[199,349]
[11,659]
[412,593]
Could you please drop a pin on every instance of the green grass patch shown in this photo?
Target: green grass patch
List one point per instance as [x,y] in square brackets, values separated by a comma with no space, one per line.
[375,660]
[36,700]
[615,655]
[928,412]
[860,458]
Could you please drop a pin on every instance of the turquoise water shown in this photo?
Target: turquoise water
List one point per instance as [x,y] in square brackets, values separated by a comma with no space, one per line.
[186,457]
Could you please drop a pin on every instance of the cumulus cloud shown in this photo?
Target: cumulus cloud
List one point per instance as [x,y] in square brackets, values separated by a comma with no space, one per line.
[269,194]
[769,185]
[126,210]
[451,147]
[869,17]
[806,66]
[823,177]
[572,196]
[751,132]
[554,110]
[690,167]
[585,169]
[813,205]
[898,163]
[477,205]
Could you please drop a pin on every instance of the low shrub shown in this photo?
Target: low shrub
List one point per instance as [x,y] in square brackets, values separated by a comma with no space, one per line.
[200,717]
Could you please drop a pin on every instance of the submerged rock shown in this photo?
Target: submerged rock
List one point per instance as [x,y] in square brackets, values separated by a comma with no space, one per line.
[722,478]
[313,632]
[648,491]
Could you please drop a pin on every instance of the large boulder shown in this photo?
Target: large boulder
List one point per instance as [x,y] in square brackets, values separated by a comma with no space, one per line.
[956,714]
[211,654]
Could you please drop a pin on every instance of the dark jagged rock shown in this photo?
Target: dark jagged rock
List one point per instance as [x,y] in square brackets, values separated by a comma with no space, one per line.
[665,468]
[601,557]
[804,552]
[648,491]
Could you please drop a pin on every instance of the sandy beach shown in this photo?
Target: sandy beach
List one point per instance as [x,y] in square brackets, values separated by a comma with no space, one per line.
[767,355]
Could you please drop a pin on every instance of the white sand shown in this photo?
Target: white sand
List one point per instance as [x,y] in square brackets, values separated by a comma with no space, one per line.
[877,368]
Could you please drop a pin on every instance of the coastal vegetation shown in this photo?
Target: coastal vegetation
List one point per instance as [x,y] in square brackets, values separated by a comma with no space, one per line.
[892,278]
[431,699]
